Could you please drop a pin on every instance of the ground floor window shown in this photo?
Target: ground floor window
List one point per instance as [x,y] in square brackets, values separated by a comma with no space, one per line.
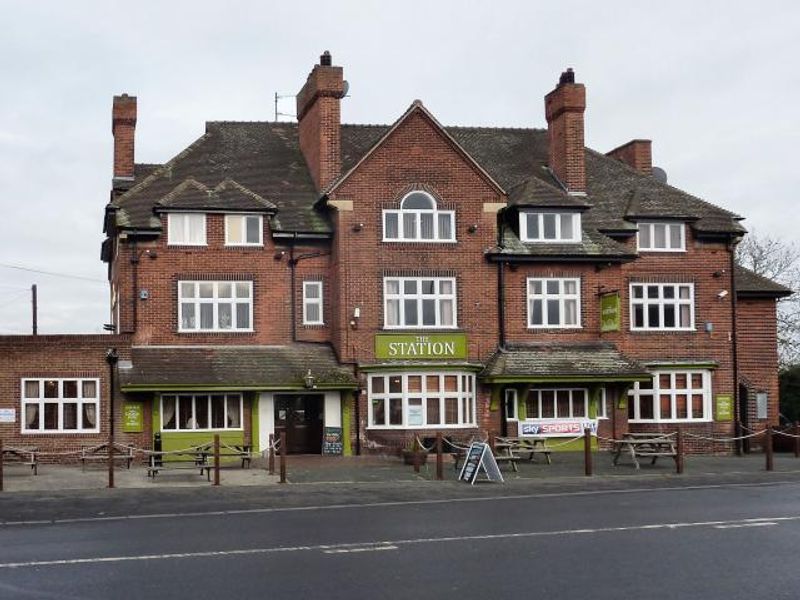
[60,405]
[561,403]
[204,412]
[422,400]
[671,396]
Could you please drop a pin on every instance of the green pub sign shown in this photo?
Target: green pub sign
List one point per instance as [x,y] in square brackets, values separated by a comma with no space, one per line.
[724,407]
[610,313]
[438,346]
[132,417]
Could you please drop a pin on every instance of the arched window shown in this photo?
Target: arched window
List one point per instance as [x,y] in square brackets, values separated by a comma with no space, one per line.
[418,220]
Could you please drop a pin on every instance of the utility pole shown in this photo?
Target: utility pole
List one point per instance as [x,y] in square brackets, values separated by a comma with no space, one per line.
[35,307]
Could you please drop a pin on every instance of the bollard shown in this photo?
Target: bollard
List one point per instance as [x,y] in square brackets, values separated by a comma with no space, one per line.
[587,451]
[216,459]
[439,461]
[796,439]
[768,448]
[282,449]
[679,458]
[416,453]
[111,462]
[271,455]
[1,464]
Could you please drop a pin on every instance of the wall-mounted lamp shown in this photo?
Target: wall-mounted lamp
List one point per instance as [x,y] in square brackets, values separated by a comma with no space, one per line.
[718,274]
[473,228]
[357,312]
[309,380]
[722,294]
[358,227]
[151,253]
[279,255]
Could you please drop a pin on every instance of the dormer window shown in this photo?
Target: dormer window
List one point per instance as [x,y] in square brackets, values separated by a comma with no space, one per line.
[419,220]
[548,226]
[186,229]
[657,236]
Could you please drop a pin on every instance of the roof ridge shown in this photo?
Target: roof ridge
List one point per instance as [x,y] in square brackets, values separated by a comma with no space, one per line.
[222,185]
[495,128]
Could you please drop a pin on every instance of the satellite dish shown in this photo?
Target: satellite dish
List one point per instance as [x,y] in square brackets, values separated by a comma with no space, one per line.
[345,88]
[659,174]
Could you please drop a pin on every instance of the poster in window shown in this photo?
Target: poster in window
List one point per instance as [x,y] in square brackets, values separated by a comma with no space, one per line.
[132,417]
[415,415]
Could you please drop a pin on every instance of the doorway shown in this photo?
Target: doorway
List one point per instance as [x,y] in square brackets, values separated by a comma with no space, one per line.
[300,417]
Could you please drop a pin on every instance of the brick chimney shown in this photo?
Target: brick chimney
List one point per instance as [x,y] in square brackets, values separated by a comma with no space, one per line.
[637,154]
[564,108]
[319,120]
[123,127]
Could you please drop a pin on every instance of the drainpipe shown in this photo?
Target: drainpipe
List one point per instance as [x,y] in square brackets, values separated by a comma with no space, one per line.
[292,293]
[740,411]
[501,284]
[135,285]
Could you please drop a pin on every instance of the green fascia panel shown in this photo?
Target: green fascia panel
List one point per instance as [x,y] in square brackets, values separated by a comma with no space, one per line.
[567,379]
[233,388]
[254,423]
[674,365]
[347,449]
[179,440]
[407,367]
[573,446]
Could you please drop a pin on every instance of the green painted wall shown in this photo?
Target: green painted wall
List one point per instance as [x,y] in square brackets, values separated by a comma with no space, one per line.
[255,424]
[347,447]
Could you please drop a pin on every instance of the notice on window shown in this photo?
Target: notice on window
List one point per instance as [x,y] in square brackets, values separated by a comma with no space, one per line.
[556,427]
[8,415]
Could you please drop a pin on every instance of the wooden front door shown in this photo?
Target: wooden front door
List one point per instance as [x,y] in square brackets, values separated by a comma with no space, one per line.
[300,416]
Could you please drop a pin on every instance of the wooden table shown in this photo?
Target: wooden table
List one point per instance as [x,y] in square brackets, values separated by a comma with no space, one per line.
[645,445]
[100,453]
[25,455]
[191,459]
[531,446]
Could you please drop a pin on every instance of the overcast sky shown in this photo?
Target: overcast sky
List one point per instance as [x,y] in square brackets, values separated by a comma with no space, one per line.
[715,85]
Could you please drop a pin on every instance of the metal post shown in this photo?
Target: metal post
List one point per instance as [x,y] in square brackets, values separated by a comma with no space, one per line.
[768,449]
[439,461]
[271,455]
[797,439]
[679,458]
[35,309]
[283,457]
[416,451]
[587,451]
[491,441]
[738,434]
[1,464]
[216,459]
[111,358]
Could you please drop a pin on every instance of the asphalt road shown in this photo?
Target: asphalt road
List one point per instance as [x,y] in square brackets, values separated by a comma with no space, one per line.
[719,541]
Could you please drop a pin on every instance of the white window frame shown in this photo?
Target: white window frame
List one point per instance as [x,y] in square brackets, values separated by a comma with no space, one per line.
[635,395]
[561,297]
[207,396]
[180,221]
[651,226]
[661,302]
[215,300]
[40,400]
[511,398]
[602,404]
[416,235]
[401,297]
[540,216]
[243,227]
[556,416]
[312,301]
[465,396]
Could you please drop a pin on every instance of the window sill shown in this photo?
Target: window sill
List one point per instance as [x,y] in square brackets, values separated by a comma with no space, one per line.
[689,330]
[190,431]
[413,427]
[240,246]
[387,241]
[541,328]
[661,250]
[175,245]
[421,330]
[59,432]
[216,331]
[671,422]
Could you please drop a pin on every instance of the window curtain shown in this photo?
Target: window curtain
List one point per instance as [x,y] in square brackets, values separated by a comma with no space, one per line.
[89,416]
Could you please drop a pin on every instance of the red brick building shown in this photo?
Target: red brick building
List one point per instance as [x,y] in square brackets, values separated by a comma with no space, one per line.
[356,286]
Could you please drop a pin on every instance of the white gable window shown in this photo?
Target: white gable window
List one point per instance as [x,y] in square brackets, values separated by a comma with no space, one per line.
[312,303]
[186,229]
[541,226]
[661,237]
[419,220]
[244,230]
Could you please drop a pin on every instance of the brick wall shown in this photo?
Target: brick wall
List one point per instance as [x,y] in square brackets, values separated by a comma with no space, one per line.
[757,336]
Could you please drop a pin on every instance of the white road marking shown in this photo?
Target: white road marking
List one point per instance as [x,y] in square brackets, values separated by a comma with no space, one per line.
[387,544]
[738,525]
[249,511]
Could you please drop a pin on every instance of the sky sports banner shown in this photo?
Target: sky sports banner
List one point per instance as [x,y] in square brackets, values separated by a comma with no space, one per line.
[556,427]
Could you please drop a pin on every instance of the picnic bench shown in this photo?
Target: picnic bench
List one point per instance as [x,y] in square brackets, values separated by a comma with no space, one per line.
[189,459]
[528,445]
[244,452]
[25,455]
[100,453]
[645,445]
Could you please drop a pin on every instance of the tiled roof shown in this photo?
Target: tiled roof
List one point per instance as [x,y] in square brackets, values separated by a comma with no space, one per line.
[265,159]
[228,195]
[593,245]
[267,367]
[749,283]
[595,360]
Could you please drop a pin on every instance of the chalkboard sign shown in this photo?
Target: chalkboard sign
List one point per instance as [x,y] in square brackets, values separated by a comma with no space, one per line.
[332,441]
[479,457]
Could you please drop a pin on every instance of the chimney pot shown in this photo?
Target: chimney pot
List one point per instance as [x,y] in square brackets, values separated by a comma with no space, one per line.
[567,76]
[325,59]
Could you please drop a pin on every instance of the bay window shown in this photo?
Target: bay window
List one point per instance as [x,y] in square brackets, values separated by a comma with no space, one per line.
[215,305]
[683,395]
[419,302]
[201,412]
[60,405]
[557,403]
[422,400]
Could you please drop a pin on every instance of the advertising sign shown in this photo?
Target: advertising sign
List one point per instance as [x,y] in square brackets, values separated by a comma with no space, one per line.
[132,417]
[441,346]
[610,312]
[8,415]
[556,427]
[724,407]
[332,441]
[479,458]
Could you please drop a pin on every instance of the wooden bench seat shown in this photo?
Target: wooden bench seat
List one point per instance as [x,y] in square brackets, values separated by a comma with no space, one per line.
[22,455]
[100,453]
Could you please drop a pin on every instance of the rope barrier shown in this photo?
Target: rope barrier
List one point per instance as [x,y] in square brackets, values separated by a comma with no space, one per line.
[723,440]
[421,445]
[569,441]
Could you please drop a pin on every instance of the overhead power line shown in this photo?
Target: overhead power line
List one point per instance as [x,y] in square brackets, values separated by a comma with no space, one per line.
[52,273]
